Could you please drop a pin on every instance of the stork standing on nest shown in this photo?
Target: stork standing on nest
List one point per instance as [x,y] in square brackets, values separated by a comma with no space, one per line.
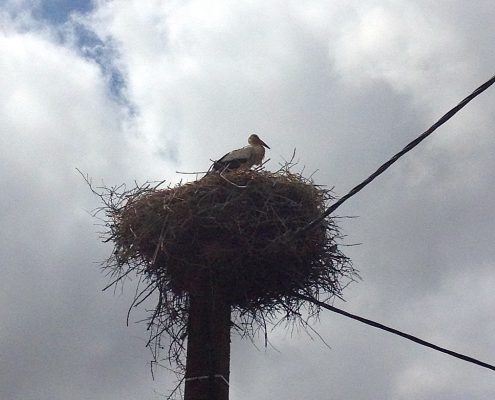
[244,158]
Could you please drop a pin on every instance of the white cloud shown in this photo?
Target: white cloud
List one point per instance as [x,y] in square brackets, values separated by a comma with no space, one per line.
[401,43]
[54,105]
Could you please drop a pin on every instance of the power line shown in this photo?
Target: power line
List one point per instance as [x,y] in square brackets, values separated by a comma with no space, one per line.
[406,149]
[397,332]
[367,181]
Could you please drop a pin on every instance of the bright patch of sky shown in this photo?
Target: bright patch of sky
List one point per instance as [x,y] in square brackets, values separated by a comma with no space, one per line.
[64,19]
[59,11]
[103,53]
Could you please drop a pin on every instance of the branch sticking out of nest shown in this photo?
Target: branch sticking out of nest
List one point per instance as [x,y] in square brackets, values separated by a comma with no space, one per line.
[232,233]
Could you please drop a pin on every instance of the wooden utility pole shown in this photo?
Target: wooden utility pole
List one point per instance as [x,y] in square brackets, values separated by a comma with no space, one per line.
[208,345]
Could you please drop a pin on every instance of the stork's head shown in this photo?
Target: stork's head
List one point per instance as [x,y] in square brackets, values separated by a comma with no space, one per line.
[255,140]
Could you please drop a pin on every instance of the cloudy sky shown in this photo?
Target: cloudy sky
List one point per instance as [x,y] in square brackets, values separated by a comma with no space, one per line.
[137,90]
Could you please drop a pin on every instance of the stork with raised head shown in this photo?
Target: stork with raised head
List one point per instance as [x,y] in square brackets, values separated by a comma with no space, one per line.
[244,158]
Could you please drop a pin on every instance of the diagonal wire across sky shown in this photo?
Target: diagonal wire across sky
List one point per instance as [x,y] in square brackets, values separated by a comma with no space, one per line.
[361,186]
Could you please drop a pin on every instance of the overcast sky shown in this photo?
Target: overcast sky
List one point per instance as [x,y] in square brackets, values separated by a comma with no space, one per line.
[137,90]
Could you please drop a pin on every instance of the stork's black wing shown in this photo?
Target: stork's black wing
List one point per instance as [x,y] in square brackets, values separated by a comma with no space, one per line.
[228,165]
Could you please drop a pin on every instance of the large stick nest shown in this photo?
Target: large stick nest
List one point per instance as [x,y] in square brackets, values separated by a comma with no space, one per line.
[241,232]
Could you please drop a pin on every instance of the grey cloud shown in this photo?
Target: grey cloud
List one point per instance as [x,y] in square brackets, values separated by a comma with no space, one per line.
[425,226]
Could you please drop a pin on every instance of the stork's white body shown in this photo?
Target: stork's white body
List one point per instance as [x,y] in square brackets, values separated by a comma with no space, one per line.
[244,158]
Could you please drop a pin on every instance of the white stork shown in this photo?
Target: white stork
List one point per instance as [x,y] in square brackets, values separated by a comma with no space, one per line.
[244,158]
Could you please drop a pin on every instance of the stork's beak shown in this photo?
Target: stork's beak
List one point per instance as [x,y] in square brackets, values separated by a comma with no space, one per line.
[263,143]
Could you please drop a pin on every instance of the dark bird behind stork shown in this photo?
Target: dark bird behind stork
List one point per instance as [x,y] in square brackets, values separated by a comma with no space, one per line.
[244,158]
